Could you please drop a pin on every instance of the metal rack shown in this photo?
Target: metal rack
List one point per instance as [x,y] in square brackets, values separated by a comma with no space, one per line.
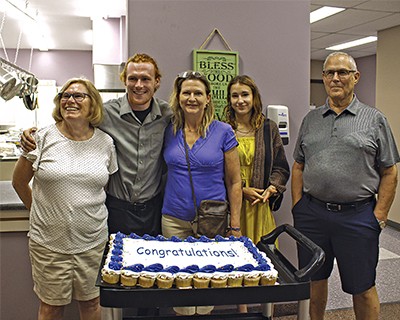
[293,285]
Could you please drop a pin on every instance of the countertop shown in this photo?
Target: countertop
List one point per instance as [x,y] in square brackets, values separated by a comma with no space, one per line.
[9,199]
[9,158]
[14,217]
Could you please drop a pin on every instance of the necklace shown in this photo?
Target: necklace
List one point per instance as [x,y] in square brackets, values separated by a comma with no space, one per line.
[244,132]
[191,130]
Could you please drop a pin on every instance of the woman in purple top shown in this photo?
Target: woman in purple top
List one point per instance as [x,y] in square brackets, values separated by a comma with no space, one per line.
[213,157]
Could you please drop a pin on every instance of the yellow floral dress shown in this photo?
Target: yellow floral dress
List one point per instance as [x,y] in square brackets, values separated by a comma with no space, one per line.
[257,220]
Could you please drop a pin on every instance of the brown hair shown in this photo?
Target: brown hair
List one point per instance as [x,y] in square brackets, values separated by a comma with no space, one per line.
[257,117]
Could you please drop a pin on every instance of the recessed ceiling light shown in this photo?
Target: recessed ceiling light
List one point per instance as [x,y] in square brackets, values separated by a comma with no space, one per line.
[323,13]
[353,43]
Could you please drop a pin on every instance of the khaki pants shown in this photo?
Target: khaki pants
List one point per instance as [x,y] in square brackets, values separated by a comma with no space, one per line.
[176,227]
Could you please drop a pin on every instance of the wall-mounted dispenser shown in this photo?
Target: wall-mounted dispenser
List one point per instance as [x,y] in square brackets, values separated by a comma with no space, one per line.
[280,115]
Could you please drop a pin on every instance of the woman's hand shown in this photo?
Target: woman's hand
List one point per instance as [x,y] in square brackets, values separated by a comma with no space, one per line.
[235,233]
[255,195]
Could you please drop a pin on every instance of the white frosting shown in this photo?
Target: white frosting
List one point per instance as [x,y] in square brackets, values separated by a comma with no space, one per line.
[184,275]
[219,275]
[130,273]
[272,274]
[183,254]
[147,274]
[203,275]
[165,275]
[252,274]
[236,274]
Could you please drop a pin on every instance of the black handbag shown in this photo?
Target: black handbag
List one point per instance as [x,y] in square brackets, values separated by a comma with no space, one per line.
[211,215]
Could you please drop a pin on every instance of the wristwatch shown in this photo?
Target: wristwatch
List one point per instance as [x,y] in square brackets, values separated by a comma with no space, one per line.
[382,224]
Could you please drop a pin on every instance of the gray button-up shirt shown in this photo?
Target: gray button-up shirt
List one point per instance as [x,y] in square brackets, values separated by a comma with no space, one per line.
[342,153]
[139,148]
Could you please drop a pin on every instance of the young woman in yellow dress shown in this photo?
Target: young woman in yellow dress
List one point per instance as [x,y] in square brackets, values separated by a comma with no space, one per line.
[263,165]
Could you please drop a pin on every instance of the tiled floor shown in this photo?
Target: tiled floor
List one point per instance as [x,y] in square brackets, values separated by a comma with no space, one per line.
[389,311]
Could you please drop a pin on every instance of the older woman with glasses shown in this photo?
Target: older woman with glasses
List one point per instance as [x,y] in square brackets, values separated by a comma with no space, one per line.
[68,230]
[214,162]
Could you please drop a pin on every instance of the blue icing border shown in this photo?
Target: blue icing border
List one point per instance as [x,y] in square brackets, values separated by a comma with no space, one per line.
[263,267]
[155,267]
[116,259]
[171,269]
[115,265]
[135,268]
[208,269]
[190,269]
[226,268]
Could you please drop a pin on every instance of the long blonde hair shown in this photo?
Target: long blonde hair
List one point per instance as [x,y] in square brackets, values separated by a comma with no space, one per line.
[178,119]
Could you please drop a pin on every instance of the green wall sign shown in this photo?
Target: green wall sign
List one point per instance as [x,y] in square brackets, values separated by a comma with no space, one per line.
[219,67]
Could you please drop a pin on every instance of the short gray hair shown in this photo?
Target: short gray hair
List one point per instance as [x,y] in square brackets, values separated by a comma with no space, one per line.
[339,53]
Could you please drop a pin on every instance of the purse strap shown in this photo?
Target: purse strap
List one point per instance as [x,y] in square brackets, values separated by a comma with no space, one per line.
[190,174]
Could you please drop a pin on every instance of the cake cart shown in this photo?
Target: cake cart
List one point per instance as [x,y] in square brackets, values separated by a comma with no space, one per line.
[294,285]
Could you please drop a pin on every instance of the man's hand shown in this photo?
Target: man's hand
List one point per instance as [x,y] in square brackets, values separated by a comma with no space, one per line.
[27,141]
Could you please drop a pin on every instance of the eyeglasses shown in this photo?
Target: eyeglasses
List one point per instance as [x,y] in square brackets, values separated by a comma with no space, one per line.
[188,74]
[342,73]
[78,96]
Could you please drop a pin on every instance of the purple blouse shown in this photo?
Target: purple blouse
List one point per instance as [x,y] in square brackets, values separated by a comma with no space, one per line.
[207,166]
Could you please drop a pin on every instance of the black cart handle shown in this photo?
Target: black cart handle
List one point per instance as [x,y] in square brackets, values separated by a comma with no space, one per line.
[317,259]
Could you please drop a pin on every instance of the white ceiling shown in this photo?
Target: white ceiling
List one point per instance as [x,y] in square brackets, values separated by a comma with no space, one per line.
[361,19]
[69,19]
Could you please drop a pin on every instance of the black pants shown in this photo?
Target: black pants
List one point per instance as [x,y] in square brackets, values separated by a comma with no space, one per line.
[140,218]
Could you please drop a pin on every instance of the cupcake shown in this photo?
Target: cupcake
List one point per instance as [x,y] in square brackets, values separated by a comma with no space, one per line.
[268,278]
[183,280]
[129,278]
[147,279]
[219,280]
[252,279]
[201,280]
[235,279]
[110,276]
[165,280]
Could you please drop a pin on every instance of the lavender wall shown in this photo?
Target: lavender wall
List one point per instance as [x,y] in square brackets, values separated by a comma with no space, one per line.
[17,299]
[272,38]
[107,51]
[366,87]
[59,65]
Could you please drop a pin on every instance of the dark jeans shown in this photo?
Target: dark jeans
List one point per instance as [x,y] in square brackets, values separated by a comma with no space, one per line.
[140,218]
